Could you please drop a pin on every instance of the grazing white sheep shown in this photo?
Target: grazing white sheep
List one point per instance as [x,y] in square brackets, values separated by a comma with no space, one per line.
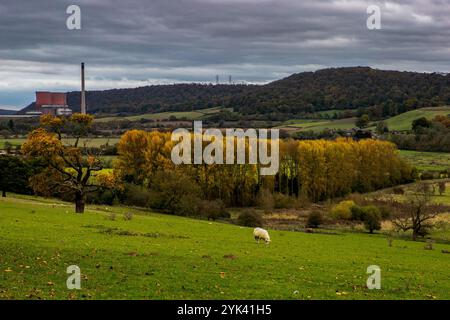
[261,234]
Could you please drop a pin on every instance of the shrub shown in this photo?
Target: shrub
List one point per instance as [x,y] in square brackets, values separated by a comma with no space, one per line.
[343,210]
[15,174]
[370,215]
[101,196]
[283,201]
[213,210]
[315,219]
[250,218]
[420,123]
[185,206]
[135,195]
[174,192]
[372,218]
[357,213]
[266,200]
[356,197]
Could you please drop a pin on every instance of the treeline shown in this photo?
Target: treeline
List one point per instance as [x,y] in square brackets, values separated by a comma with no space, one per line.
[21,126]
[380,93]
[309,171]
[427,135]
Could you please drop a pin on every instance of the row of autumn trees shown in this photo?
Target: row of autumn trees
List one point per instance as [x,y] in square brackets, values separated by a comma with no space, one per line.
[313,170]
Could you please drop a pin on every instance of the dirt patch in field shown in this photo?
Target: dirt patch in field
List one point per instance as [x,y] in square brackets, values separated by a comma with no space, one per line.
[119,232]
[230,257]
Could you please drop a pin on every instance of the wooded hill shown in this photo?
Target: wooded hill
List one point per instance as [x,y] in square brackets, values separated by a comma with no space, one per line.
[4,112]
[382,93]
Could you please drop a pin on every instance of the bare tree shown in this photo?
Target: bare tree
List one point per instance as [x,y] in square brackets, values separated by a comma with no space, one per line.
[417,211]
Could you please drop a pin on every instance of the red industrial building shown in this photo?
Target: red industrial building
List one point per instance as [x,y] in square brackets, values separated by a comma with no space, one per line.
[55,103]
[52,103]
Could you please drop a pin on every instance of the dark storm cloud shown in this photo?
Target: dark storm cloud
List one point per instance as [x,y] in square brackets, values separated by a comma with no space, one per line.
[138,42]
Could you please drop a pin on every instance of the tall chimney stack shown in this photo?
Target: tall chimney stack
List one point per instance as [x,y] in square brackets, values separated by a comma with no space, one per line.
[83,93]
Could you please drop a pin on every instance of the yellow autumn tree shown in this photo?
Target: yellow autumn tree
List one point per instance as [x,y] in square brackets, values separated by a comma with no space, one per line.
[69,168]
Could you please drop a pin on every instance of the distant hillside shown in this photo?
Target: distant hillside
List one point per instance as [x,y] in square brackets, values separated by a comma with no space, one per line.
[4,112]
[153,99]
[381,93]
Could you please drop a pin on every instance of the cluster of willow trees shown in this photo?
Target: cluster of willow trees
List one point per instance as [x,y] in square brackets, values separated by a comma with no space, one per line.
[313,170]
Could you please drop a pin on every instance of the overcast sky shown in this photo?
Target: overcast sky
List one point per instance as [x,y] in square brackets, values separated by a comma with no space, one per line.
[140,42]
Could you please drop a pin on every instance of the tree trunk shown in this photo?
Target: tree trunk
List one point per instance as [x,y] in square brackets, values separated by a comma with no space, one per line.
[79,202]
[417,226]
[4,193]
[415,234]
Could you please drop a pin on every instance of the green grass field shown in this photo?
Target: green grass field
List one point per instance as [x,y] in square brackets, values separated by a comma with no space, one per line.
[319,125]
[13,142]
[90,142]
[427,161]
[403,121]
[192,115]
[157,256]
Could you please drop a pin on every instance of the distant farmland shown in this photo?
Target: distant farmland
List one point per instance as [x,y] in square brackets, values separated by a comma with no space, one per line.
[90,142]
[403,121]
[190,115]
[427,161]
[319,125]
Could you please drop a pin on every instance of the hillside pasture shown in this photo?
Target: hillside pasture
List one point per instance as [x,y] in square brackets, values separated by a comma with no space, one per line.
[189,115]
[319,125]
[157,256]
[403,122]
[427,161]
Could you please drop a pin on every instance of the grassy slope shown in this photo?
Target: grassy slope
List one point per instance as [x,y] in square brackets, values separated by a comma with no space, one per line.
[182,258]
[320,125]
[434,161]
[193,115]
[401,122]
[404,121]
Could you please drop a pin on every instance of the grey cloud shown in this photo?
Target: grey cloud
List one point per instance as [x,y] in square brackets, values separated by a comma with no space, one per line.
[138,42]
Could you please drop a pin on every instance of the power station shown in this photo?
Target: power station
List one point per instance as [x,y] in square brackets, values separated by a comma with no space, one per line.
[55,103]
